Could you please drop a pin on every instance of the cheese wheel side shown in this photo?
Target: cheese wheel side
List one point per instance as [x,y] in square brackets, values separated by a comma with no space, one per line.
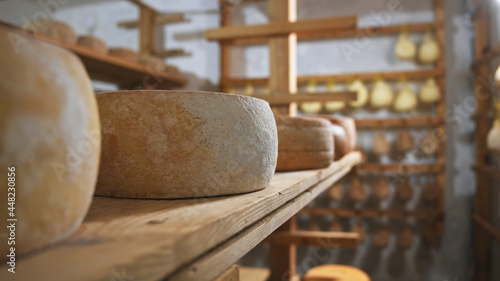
[51,134]
[182,144]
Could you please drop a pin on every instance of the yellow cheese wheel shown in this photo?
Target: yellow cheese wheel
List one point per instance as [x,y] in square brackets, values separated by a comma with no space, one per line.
[50,134]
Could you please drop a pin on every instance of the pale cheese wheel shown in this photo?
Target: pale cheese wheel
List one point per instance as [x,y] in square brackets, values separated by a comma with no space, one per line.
[304,143]
[153,62]
[93,43]
[125,54]
[180,144]
[55,29]
[50,133]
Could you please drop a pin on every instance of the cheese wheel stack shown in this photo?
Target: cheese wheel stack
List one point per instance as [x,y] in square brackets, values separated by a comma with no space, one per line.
[50,135]
[304,143]
[125,54]
[93,43]
[56,29]
[181,144]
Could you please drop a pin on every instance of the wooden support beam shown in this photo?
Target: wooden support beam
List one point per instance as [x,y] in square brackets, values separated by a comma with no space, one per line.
[146,31]
[226,12]
[412,75]
[483,104]
[362,32]
[316,238]
[282,28]
[403,169]
[286,98]
[159,19]
[171,53]
[230,274]
[488,227]
[490,54]
[489,171]
[282,258]
[399,122]
[371,213]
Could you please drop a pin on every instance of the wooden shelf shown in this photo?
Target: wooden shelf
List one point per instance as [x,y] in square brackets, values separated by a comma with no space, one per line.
[283,28]
[490,171]
[111,69]
[343,78]
[495,233]
[288,98]
[371,213]
[487,57]
[429,121]
[401,168]
[322,239]
[347,33]
[192,239]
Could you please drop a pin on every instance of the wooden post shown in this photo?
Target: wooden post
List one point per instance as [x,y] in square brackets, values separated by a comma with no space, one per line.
[283,55]
[225,48]
[283,257]
[146,30]
[482,204]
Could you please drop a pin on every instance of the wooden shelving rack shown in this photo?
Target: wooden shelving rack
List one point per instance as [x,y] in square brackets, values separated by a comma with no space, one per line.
[487,177]
[284,80]
[125,74]
[189,239]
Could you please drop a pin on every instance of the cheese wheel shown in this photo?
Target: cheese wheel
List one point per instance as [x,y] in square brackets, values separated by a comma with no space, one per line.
[55,29]
[51,135]
[125,54]
[304,143]
[349,126]
[93,43]
[153,62]
[180,144]
[341,147]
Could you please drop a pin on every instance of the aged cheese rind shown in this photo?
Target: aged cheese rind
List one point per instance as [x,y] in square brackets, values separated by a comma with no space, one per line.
[50,133]
[180,144]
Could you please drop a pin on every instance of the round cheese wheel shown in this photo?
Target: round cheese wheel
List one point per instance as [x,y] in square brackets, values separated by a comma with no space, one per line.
[93,43]
[56,29]
[51,135]
[304,143]
[125,54]
[349,126]
[180,144]
[340,142]
[151,61]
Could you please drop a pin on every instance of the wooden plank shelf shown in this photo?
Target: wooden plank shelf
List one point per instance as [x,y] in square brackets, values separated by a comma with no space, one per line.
[316,238]
[343,78]
[495,233]
[282,28]
[371,31]
[404,169]
[371,213]
[488,56]
[428,121]
[283,99]
[111,69]
[191,239]
[489,171]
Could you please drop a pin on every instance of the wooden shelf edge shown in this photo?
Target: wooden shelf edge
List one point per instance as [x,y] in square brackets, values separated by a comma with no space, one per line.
[404,169]
[495,233]
[372,31]
[428,121]
[286,98]
[342,78]
[372,213]
[490,171]
[316,238]
[89,57]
